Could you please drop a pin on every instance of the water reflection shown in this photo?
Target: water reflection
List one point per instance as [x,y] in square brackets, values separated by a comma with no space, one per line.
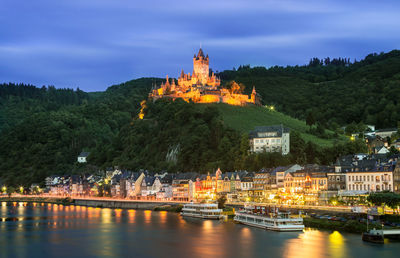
[106,216]
[147,216]
[131,215]
[310,242]
[69,231]
[163,217]
[336,244]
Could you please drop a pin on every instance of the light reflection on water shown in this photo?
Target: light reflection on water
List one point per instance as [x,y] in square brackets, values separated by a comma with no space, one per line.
[39,230]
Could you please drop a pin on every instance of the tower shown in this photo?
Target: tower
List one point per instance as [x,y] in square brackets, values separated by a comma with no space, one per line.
[201,67]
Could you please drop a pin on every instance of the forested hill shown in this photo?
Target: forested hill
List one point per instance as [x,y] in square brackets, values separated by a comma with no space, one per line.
[18,101]
[336,91]
[42,130]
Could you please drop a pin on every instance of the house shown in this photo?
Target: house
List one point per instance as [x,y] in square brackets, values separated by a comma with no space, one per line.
[83,156]
[381,150]
[388,132]
[274,138]
[336,181]
[280,173]
[396,144]
[246,183]
[183,186]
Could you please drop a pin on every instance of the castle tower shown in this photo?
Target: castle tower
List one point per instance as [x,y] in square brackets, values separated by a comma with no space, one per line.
[253,95]
[201,67]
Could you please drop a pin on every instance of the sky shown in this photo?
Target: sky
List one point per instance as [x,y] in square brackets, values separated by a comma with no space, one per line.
[93,44]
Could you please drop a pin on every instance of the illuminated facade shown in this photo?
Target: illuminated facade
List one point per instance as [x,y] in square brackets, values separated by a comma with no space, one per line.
[274,138]
[202,87]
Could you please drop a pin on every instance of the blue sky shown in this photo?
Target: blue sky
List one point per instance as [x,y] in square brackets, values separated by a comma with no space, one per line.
[92,44]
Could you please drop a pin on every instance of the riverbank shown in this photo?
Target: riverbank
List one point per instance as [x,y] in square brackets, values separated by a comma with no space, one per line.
[99,203]
[350,226]
[63,201]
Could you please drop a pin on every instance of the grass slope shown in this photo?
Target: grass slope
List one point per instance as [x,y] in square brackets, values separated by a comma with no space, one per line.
[244,119]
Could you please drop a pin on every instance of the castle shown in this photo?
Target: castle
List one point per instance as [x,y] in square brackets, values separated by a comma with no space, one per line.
[202,87]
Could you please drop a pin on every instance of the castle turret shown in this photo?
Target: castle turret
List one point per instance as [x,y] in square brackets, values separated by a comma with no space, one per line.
[201,67]
[253,95]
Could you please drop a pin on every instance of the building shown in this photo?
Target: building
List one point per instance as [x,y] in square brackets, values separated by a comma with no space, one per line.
[83,156]
[274,138]
[183,187]
[386,132]
[377,180]
[336,181]
[202,87]
[280,173]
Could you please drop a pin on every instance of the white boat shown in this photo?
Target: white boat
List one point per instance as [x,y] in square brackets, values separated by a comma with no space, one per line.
[271,219]
[202,210]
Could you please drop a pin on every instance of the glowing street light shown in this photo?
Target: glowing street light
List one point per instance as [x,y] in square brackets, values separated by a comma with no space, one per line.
[4,189]
[21,189]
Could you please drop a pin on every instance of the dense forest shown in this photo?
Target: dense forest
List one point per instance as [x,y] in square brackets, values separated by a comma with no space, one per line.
[42,130]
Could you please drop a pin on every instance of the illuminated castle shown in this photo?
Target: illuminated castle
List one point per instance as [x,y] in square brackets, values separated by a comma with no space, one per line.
[202,87]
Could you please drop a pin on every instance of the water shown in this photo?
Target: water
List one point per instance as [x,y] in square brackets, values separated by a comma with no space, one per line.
[41,230]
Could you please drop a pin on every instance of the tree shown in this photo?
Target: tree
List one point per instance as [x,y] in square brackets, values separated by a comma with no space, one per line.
[221,202]
[10,190]
[310,120]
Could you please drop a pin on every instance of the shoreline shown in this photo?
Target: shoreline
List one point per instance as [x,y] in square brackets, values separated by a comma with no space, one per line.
[99,203]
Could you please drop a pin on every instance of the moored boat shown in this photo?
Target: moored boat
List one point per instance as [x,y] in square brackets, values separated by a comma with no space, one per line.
[202,210]
[373,236]
[269,218]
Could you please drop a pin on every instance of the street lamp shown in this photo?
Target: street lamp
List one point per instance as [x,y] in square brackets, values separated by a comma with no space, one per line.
[4,189]
[21,189]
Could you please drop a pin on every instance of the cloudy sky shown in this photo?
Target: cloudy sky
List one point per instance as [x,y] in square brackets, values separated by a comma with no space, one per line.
[92,44]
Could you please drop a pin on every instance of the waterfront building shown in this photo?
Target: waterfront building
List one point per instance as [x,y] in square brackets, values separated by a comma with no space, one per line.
[183,186]
[280,173]
[365,180]
[274,138]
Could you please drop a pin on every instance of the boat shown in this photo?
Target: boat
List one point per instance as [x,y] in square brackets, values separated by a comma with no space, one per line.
[269,218]
[373,236]
[202,210]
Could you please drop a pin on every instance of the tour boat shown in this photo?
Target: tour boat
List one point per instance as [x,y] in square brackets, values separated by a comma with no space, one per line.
[202,210]
[269,218]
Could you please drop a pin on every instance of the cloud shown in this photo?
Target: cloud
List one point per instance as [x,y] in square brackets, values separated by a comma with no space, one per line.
[94,43]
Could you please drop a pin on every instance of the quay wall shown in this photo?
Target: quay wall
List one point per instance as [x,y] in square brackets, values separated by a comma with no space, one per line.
[121,204]
[95,202]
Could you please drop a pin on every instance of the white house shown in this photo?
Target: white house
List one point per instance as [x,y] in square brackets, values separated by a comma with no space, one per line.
[82,157]
[274,138]
[382,150]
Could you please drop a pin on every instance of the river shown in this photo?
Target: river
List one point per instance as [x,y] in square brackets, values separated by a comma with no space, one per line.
[50,230]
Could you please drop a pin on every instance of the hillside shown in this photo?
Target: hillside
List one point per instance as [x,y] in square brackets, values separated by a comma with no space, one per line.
[245,119]
[335,91]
